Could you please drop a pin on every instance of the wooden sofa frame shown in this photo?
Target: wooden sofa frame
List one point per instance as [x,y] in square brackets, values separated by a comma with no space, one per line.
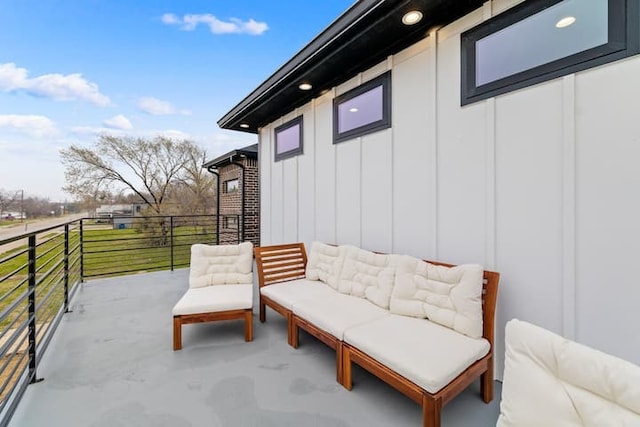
[281,263]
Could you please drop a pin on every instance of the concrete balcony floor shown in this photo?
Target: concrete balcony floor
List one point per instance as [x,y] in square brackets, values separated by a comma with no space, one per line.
[111,364]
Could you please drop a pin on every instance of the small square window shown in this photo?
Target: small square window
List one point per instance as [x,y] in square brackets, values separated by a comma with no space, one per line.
[230,222]
[363,110]
[288,139]
[231,186]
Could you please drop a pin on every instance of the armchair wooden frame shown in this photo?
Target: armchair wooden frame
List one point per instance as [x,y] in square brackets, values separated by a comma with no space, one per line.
[185,319]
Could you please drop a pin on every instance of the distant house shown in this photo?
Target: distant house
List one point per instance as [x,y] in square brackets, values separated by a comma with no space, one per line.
[120,215]
[238,204]
[500,132]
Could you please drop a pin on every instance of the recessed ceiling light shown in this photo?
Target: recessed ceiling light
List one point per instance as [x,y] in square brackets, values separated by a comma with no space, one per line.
[565,22]
[244,125]
[353,110]
[305,86]
[412,17]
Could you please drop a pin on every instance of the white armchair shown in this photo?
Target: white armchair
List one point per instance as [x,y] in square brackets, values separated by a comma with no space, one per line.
[220,288]
[552,381]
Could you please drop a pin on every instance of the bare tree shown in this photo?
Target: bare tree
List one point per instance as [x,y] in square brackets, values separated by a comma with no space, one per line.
[8,199]
[149,168]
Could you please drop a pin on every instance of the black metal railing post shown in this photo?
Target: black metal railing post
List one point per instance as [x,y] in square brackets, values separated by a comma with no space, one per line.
[32,310]
[81,251]
[171,238]
[66,268]
[239,228]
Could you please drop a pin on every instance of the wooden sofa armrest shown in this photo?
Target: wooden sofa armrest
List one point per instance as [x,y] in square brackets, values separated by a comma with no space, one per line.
[280,263]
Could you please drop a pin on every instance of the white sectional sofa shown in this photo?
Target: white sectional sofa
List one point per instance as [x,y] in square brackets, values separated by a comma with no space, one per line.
[425,328]
[552,381]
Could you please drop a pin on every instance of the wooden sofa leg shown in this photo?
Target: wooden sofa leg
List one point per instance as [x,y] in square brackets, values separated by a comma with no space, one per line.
[346,368]
[294,333]
[431,409]
[486,383]
[339,362]
[248,325]
[177,333]
[263,312]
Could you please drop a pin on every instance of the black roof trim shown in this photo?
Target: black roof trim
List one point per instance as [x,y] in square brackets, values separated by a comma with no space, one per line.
[367,33]
[250,152]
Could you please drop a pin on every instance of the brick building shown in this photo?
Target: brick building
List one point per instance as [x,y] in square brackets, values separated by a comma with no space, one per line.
[238,204]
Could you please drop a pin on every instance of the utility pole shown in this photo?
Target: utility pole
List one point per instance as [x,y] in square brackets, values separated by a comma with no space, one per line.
[22,205]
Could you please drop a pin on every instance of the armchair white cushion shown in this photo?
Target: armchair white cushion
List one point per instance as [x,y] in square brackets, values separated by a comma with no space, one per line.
[552,381]
[221,265]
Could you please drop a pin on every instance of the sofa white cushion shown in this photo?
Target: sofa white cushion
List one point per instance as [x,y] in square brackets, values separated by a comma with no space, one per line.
[366,274]
[335,313]
[214,299]
[551,381]
[428,354]
[221,265]
[325,262]
[450,296]
[288,293]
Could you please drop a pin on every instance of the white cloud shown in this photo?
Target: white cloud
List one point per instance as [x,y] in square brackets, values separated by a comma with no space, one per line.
[173,134]
[156,106]
[216,26]
[32,125]
[70,87]
[118,122]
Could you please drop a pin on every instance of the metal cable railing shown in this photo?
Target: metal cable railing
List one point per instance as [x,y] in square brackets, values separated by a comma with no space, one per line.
[40,271]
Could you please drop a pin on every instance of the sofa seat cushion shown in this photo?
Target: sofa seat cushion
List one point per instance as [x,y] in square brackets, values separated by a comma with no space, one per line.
[221,265]
[325,262]
[288,293]
[549,380]
[337,312]
[428,354]
[215,299]
[450,296]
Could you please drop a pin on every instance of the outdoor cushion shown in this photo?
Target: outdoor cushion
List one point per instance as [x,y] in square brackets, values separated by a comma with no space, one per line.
[214,299]
[335,312]
[288,293]
[551,381]
[428,354]
[221,265]
[366,274]
[450,296]
[325,262]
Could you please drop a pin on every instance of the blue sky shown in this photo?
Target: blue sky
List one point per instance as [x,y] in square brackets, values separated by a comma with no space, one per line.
[71,69]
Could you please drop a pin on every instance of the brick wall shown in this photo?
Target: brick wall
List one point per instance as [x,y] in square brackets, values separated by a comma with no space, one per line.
[231,202]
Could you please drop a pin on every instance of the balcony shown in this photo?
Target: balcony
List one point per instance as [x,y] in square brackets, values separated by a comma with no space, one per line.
[110,362]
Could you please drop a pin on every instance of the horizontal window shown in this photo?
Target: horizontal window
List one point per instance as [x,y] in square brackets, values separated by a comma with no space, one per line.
[363,110]
[288,139]
[538,41]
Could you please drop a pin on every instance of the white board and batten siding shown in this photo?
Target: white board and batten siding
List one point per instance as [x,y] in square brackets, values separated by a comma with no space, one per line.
[541,184]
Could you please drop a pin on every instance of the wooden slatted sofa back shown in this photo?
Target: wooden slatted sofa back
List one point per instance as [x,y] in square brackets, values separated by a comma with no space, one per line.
[279,263]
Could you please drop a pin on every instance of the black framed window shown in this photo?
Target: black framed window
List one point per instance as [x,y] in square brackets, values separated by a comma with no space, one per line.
[538,41]
[231,186]
[230,222]
[288,139]
[363,110]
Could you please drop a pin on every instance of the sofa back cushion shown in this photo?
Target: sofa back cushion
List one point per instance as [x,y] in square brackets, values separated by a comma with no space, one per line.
[221,265]
[324,263]
[450,296]
[366,274]
[551,381]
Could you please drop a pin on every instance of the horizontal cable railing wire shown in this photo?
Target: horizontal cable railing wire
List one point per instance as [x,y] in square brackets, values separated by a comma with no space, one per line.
[41,270]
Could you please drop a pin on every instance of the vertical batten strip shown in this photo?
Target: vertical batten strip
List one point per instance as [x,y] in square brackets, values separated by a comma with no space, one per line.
[569,207]
[433,158]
